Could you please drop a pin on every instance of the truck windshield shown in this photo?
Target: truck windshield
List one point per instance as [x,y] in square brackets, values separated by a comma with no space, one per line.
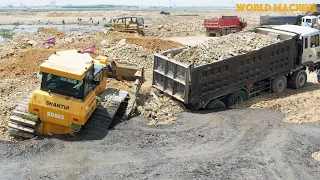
[62,85]
[308,20]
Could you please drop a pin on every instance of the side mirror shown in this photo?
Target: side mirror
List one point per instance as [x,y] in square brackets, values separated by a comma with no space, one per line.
[96,82]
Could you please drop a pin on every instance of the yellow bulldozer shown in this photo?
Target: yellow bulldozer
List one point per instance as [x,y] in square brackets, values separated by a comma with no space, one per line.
[128,24]
[73,92]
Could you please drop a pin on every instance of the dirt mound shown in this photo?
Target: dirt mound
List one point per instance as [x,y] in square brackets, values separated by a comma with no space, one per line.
[146,42]
[26,62]
[153,43]
[53,31]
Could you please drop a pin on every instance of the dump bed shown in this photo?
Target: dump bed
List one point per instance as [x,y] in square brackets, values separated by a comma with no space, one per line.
[231,21]
[279,20]
[196,84]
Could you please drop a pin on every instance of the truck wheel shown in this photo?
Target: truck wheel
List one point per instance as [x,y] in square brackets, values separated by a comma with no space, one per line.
[298,79]
[237,97]
[215,104]
[224,32]
[208,33]
[279,84]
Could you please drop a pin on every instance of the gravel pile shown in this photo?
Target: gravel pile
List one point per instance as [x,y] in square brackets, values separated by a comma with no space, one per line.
[22,41]
[159,107]
[171,26]
[224,47]
[12,92]
[130,53]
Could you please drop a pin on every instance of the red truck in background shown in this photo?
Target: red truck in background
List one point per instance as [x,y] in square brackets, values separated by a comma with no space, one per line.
[223,26]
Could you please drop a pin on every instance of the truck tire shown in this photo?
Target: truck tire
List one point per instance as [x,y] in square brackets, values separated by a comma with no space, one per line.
[298,79]
[208,34]
[278,84]
[237,97]
[224,32]
[215,104]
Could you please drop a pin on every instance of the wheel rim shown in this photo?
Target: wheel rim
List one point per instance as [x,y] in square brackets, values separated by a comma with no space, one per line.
[281,85]
[301,80]
[238,100]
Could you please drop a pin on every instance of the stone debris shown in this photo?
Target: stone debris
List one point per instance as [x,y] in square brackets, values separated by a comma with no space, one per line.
[159,108]
[132,54]
[316,156]
[122,42]
[224,47]
[175,26]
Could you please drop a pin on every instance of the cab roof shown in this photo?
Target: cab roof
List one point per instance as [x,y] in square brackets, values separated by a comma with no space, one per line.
[310,17]
[69,64]
[303,30]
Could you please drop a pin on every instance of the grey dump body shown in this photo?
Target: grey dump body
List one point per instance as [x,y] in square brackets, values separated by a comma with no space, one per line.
[280,20]
[197,85]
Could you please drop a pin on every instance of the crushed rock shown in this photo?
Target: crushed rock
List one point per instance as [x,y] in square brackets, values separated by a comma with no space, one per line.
[130,53]
[159,108]
[316,156]
[224,47]
[13,91]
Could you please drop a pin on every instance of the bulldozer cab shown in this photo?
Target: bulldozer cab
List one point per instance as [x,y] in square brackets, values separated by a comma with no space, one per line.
[77,82]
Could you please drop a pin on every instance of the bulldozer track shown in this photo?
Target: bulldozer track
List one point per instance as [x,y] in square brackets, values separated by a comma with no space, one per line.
[20,123]
[113,101]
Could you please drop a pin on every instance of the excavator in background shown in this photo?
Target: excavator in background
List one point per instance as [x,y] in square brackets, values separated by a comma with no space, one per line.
[73,92]
[128,24]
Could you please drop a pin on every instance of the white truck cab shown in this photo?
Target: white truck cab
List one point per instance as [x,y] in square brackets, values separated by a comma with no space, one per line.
[310,21]
[310,38]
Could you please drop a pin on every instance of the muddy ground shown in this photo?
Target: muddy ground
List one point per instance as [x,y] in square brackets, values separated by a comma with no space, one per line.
[233,144]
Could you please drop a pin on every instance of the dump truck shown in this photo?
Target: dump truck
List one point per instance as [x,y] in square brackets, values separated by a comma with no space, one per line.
[302,20]
[223,26]
[73,92]
[232,80]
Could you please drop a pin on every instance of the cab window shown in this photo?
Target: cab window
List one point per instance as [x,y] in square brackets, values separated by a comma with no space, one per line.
[88,85]
[308,20]
[314,41]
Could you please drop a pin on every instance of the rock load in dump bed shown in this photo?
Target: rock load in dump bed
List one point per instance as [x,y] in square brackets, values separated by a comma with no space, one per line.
[224,47]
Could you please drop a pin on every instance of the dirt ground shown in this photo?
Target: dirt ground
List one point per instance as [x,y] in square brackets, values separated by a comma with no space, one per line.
[299,106]
[233,144]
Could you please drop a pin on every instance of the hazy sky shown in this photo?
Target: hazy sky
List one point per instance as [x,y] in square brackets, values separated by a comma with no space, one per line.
[153,2]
